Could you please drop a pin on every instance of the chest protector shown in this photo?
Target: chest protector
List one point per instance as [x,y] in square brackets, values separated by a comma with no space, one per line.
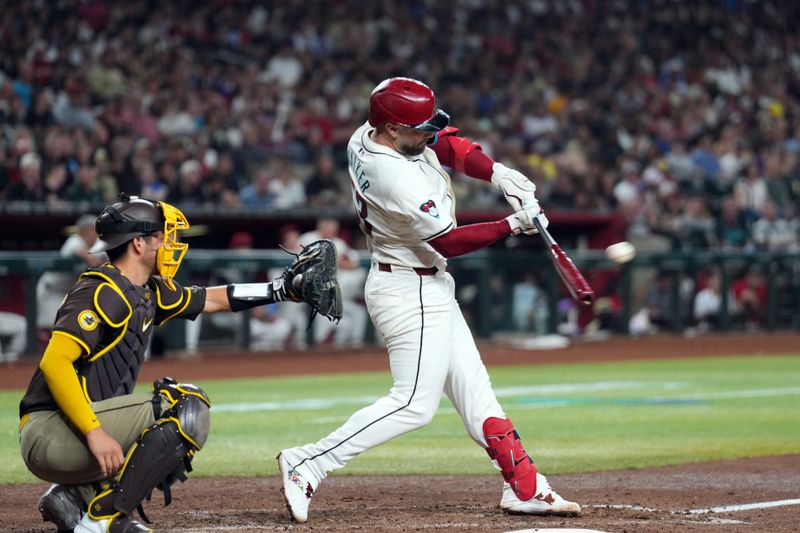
[127,312]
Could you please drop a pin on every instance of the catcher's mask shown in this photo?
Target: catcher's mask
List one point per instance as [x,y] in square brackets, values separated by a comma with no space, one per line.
[135,217]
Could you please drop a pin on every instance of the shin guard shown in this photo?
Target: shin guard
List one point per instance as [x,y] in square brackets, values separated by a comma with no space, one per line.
[158,451]
[162,454]
[506,449]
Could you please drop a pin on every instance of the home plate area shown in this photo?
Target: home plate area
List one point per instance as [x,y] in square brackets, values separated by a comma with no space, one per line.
[761,494]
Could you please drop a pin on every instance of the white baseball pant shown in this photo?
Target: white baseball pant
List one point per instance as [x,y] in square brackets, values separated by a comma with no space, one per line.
[431,350]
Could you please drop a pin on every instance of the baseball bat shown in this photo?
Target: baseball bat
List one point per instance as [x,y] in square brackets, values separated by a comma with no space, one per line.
[578,288]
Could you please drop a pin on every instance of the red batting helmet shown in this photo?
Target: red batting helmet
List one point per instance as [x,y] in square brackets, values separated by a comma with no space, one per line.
[406,102]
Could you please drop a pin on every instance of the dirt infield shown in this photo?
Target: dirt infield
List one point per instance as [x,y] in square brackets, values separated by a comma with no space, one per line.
[649,500]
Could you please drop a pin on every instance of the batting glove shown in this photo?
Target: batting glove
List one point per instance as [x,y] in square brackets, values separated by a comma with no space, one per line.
[522,220]
[518,190]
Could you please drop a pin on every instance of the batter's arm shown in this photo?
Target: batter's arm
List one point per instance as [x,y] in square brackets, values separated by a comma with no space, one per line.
[468,157]
[465,239]
[463,155]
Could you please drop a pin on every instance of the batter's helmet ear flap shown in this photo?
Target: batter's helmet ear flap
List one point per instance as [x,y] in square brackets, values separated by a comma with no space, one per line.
[407,102]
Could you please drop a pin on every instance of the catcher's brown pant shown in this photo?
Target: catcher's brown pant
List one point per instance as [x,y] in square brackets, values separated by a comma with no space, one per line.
[53,450]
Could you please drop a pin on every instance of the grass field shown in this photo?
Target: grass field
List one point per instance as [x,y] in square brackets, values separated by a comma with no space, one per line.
[573,418]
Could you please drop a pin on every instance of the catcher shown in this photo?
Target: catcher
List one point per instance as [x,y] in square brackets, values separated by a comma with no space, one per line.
[80,426]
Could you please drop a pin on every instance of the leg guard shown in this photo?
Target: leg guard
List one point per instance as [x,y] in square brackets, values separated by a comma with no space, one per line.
[63,506]
[506,449]
[161,454]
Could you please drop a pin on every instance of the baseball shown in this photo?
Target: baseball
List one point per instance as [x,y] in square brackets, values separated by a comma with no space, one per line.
[621,252]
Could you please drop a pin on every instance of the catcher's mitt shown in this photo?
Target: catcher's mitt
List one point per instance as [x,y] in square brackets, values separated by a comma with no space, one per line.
[311,278]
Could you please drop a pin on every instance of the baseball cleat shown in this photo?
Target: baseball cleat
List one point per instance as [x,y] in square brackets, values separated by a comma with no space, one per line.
[297,491]
[63,506]
[545,502]
[120,524]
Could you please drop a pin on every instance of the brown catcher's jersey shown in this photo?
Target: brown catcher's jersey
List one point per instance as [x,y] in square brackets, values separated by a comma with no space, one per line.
[112,319]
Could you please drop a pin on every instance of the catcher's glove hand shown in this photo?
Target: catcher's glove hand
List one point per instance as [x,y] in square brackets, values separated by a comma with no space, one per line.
[311,278]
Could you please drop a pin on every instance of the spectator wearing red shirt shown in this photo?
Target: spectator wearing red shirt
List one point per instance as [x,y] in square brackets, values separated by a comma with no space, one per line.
[750,292]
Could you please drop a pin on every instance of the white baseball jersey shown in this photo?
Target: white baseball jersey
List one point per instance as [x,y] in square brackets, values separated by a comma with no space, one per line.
[402,201]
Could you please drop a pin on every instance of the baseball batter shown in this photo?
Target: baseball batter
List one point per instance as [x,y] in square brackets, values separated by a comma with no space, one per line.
[406,209]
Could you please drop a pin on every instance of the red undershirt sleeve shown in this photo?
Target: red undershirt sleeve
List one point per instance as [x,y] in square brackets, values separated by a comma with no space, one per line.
[465,239]
[464,156]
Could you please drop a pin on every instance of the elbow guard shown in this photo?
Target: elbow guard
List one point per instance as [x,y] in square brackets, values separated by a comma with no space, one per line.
[462,148]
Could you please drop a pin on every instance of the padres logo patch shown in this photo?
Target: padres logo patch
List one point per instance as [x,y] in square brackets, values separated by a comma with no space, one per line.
[88,320]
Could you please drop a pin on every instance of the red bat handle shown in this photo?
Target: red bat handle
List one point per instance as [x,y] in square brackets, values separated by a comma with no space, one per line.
[576,284]
[578,288]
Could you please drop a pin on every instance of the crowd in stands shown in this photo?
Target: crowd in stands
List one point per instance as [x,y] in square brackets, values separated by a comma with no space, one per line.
[685,116]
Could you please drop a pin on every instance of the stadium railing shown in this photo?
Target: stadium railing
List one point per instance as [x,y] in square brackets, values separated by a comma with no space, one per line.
[486,305]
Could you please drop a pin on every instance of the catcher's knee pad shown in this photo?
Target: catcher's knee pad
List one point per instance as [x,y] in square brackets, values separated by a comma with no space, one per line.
[162,453]
[189,409]
[506,449]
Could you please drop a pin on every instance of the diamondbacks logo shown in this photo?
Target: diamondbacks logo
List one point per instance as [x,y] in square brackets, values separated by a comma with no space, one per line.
[430,208]
[88,320]
[295,478]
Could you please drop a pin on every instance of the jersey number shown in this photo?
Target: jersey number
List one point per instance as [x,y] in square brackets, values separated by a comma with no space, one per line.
[361,209]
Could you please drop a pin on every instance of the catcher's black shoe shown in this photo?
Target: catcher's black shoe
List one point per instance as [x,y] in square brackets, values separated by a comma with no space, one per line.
[63,506]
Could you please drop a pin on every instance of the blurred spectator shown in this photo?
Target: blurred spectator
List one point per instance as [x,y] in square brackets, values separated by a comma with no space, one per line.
[351,329]
[151,187]
[775,233]
[86,187]
[258,195]
[12,336]
[105,178]
[707,303]
[657,311]
[188,192]
[627,190]
[55,184]
[287,190]
[694,228]
[750,292]
[324,186]
[39,115]
[284,67]
[529,305]
[223,184]
[29,187]
[52,287]
[731,226]
[750,192]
